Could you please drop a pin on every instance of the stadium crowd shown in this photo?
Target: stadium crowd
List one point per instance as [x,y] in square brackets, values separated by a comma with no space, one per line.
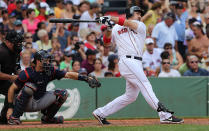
[177,41]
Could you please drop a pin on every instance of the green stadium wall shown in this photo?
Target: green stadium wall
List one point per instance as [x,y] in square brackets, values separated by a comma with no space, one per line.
[186,96]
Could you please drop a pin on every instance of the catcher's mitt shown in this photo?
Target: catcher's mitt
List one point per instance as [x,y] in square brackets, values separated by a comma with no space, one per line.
[93,82]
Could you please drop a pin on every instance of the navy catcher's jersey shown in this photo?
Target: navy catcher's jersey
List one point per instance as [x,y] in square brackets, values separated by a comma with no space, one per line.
[40,79]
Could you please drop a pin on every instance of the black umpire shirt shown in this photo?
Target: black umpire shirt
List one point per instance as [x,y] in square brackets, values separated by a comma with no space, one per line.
[7,65]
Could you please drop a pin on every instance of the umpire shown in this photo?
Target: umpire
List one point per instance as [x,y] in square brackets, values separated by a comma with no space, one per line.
[9,58]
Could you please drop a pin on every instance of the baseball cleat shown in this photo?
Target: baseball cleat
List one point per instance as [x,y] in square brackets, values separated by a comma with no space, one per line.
[14,121]
[101,120]
[54,120]
[172,120]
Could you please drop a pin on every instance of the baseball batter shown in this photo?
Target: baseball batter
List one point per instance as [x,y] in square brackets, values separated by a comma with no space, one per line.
[129,36]
[31,84]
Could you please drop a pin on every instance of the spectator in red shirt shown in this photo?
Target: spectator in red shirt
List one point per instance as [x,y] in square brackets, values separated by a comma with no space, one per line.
[42,10]
[91,44]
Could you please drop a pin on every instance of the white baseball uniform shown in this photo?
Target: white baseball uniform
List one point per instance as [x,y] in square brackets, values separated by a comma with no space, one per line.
[131,42]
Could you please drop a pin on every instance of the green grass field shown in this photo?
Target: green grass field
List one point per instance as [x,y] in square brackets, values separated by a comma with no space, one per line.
[125,128]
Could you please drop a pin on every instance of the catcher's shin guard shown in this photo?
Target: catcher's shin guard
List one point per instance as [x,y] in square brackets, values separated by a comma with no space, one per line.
[161,107]
[61,96]
[22,99]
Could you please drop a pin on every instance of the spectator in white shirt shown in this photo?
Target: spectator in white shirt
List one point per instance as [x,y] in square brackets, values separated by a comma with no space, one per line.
[86,28]
[151,57]
[164,32]
[166,69]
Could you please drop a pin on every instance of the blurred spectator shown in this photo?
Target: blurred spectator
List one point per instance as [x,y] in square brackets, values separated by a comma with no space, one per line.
[5,20]
[103,55]
[41,25]
[73,41]
[23,12]
[11,5]
[199,45]
[74,29]
[207,18]
[113,65]
[86,28]
[42,12]
[185,66]
[12,19]
[30,23]
[57,59]
[76,66]
[165,31]
[28,48]
[88,64]
[151,57]
[189,34]
[34,5]
[59,8]
[56,48]
[25,60]
[44,42]
[91,38]
[18,26]
[29,38]
[62,34]
[83,6]
[153,15]
[193,12]
[194,70]
[167,71]
[98,71]
[150,29]
[108,74]
[207,30]
[69,11]
[205,64]
[83,71]
[176,59]
[180,27]
[66,65]
[3,4]
[18,10]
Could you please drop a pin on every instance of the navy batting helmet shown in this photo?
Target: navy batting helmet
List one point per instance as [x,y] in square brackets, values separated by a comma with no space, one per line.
[130,11]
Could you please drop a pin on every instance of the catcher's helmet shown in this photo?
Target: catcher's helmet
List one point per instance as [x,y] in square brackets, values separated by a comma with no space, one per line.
[130,11]
[15,38]
[45,58]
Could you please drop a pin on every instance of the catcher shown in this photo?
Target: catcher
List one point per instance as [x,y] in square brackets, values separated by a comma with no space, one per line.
[32,95]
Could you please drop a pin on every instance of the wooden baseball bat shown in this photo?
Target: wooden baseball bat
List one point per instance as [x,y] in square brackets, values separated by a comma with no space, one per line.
[56,20]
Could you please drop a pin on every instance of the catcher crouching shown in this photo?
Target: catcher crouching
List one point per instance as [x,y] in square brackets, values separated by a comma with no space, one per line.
[32,95]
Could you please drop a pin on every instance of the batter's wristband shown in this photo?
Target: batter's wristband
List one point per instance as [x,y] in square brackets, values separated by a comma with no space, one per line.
[106,40]
[121,21]
[10,105]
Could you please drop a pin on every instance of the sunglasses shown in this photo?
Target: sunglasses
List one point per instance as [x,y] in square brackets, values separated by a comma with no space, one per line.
[165,63]
[194,62]
[27,37]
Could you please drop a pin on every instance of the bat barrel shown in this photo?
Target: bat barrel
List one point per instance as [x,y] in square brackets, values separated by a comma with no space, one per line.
[69,20]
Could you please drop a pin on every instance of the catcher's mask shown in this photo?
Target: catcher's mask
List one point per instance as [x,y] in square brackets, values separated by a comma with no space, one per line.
[46,59]
[17,39]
